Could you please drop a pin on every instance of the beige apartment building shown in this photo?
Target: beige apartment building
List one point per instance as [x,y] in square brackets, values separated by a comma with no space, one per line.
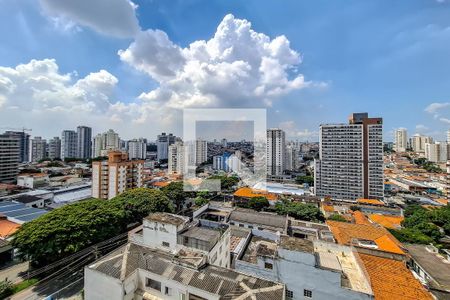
[115,175]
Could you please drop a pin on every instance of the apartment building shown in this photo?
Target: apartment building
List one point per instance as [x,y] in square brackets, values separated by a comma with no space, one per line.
[38,147]
[104,142]
[84,141]
[54,148]
[24,143]
[9,157]
[176,161]
[401,140]
[350,164]
[69,142]
[172,258]
[113,176]
[201,151]
[438,152]
[163,142]
[137,148]
[419,141]
[276,152]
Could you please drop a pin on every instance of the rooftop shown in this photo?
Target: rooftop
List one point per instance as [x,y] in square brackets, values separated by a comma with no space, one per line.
[259,246]
[370,201]
[259,218]
[7,228]
[167,218]
[360,218]
[202,233]
[437,267]
[296,244]
[392,222]
[365,236]
[18,212]
[226,283]
[246,192]
[391,279]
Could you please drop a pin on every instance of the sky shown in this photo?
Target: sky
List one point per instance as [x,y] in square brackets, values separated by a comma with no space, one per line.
[134,66]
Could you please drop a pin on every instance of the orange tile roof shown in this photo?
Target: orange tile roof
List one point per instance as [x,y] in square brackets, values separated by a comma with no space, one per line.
[161,183]
[360,218]
[370,201]
[328,208]
[7,228]
[442,201]
[247,192]
[392,222]
[391,279]
[344,233]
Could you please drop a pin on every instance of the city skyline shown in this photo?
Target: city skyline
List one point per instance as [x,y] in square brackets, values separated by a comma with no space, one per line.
[106,76]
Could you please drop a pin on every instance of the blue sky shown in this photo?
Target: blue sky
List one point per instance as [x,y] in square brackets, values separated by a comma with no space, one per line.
[389,58]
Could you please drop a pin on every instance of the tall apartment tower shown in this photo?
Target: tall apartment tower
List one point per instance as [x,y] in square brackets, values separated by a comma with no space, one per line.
[9,157]
[401,140]
[438,152]
[104,142]
[84,137]
[350,164]
[137,149]
[38,148]
[54,148]
[163,142]
[176,161]
[419,141]
[276,151]
[201,151]
[69,142]
[24,143]
[115,175]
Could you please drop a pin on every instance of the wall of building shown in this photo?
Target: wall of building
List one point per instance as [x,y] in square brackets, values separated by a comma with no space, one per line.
[156,233]
[100,286]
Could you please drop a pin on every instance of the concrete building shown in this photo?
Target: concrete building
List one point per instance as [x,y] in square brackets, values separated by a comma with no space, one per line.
[104,142]
[69,142]
[113,176]
[54,148]
[275,151]
[33,180]
[176,161]
[9,157]
[401,140]
[419,141]
[137,149]
[163,142]
[437,152]
[224,143]
[201,151]
[24,143]
[38,148]
[84,147]
[448,136]
[350,164]
[291,158]
[172,258]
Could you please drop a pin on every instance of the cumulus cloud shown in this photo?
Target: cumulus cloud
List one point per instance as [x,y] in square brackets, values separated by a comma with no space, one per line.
[436,107]
[237,67]
[110,17]
[292,131]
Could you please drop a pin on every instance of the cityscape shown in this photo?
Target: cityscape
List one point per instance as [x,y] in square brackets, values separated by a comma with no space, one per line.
[230,175]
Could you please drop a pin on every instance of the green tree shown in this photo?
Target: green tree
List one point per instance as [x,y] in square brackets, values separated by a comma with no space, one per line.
[258,203]
[6,289]
[200,201]
[411,235]
[305,179]
[337,217]
[299,211]
[175,192]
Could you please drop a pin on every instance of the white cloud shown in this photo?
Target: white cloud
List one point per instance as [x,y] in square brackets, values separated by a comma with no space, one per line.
[293,132]
[421,127]
[110,17]
[436,107]
[238,67]
[445,120]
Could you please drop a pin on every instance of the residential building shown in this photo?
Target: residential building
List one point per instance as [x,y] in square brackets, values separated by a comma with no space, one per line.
[291,158]
[104,142]
[176,161]
[224,143]
[275,151]
[137,149]
[401,140]
[172,258]
[84,147]
[38,148]
[227,162]
[69,142]
[437,152]
[448,136]
[54,148]
[419,141]
[201,150]
[9,157]
[33,180]
[350,164]
[113,176]
[24,143]
[163,142]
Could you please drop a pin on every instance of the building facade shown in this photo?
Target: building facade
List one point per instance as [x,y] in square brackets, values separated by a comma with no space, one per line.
[69,144]
[38,147]
[104,142]
[401,140]
[437,152]
[84,147]
[176,162]
[276,151]
[24,143]
[350,164]
[54,148]
[419,141]
[113,176]
[9,157]
[163,142]
[137,149]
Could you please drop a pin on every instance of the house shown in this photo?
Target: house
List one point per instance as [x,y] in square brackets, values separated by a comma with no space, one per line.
[33,180]
[248,218]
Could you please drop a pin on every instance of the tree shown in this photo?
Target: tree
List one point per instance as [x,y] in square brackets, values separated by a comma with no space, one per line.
[6,289]
[305,179]
[411,235]
[337,217]
[258,203]
[226,182]
[299,211]
[73,227]
[199,201]
[175,192]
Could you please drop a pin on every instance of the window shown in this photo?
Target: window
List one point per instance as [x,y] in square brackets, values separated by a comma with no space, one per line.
[268,266]
[289,294]
[156,285]
[232,223]
[307,293]
[241,225]
[250,226]
[165,244]
[168,291]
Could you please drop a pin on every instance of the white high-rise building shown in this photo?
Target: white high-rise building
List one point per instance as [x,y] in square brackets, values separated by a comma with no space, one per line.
[10,155]
[401,140]
[201,151]
[137,149]
[104,142]
[176,162]
[163,142]
[38,148]
[54,148]
[448,136]
[418,142]
[276,151]
[69,144]
[84,147]
[350,164]
[291,158]
[437,152]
